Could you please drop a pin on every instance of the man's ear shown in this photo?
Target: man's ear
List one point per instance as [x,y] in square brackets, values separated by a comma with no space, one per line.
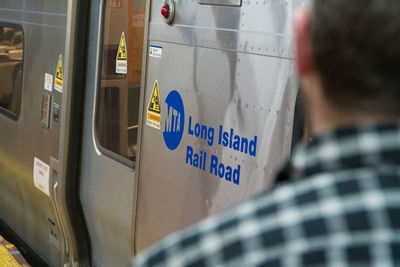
[304,57]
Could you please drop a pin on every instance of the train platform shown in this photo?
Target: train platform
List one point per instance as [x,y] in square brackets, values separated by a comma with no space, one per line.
[10,256]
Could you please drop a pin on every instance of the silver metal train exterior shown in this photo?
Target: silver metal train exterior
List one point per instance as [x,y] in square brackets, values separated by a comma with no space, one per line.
[97,165]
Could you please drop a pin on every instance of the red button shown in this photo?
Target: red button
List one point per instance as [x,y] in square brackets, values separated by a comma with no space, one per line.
[165,11]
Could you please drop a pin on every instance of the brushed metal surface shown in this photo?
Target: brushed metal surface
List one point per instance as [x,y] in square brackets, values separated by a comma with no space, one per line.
[23,207]
[232,67]
[107,186]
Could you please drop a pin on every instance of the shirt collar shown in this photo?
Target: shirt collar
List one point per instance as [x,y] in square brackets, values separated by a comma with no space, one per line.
[346,148]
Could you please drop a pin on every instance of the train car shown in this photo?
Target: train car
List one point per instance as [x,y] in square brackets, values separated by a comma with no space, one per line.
[125,120]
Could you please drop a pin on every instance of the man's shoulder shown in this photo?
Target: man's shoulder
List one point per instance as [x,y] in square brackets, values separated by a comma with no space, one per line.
[339,186]
[294,218]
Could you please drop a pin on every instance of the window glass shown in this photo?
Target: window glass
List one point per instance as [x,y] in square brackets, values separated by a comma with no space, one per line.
[11,60]
[118,96]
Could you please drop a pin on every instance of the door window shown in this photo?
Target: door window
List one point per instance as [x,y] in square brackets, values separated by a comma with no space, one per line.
[11,62]
[118,96]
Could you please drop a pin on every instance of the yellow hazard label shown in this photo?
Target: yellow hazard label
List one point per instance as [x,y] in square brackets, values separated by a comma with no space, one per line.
[154,108]
[154,104]
[122,54]
[121,66]
[153,117]
[58,81]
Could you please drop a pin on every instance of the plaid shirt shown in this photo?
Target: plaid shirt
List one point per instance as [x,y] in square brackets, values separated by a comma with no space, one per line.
[342,210]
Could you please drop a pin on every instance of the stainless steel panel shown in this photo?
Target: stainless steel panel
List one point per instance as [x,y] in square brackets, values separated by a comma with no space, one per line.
[23,207]
[46,19]
[46,6]
[221,2]
[257,27]
[17,4]
[107,186]
[233,67]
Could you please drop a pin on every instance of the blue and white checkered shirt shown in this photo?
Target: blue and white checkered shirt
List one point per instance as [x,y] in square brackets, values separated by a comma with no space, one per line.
[343,209]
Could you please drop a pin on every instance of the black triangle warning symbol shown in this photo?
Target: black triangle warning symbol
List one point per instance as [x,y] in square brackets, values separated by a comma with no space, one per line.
[154,105]
[122,55]
[59,72]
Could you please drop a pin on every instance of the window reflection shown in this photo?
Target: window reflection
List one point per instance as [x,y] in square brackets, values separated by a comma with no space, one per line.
[11,59]
[118,97]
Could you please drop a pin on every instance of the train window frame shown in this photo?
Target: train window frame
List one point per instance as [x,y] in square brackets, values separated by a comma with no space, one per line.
[100,69]
[6,112]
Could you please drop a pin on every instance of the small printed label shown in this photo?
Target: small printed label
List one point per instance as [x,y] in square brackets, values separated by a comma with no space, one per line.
[41,176]
[154,109]
[48,82]
[58,82]
[115,4]
[138,20]
[156,51]
[122,57]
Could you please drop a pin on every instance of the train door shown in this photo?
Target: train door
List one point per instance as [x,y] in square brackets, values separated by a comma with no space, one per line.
[222,75]
[42,46]
[109,149]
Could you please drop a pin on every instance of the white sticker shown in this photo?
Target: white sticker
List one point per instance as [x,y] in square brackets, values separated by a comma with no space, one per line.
[48,82]
[41,176]
[122,57]
[156,51]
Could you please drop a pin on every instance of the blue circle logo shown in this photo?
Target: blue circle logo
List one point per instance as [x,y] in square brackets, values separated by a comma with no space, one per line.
[175,120]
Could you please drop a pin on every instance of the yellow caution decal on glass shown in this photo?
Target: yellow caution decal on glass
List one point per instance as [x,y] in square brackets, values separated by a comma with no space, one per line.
[154,108]
[122,57]
[58,81]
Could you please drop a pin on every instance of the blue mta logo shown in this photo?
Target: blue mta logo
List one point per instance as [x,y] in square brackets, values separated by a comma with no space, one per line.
[175,120]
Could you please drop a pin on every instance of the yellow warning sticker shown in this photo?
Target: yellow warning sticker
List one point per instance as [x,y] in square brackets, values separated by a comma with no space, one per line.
[58,81]
[122,57]
[154,108]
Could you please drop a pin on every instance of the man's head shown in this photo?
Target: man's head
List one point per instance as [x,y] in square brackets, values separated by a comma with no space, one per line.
[348,57]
